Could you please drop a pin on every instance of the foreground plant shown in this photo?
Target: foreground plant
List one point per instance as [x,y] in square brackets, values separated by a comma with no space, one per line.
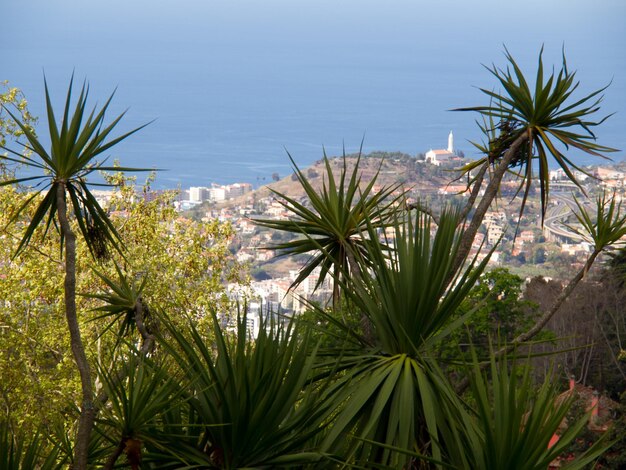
[516,424]
[132,420]
[21,452]
[393,391]
[250,399]
[61,189]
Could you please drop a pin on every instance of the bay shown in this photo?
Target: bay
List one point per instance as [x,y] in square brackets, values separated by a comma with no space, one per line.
[235,85]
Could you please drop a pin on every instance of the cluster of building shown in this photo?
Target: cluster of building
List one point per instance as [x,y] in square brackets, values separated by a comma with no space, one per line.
[276,294]
[277,297]
[214,193]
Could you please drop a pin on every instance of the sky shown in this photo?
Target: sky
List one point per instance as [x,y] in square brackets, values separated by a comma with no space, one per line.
[234,82]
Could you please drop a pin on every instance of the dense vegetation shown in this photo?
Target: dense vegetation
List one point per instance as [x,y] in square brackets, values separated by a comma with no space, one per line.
[164,371]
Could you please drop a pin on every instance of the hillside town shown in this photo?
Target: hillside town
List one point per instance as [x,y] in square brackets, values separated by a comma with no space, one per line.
[524,245]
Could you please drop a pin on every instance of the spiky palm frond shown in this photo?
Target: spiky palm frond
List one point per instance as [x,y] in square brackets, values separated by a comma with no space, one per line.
[120,302]
[21,452]
[131,423]
[251,404]
[605,226]
[393,391]
[546,117]
[514,422]
[407,294]
[74,148]
[331,223]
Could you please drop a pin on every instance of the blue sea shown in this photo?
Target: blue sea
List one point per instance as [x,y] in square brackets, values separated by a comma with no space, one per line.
[232,86]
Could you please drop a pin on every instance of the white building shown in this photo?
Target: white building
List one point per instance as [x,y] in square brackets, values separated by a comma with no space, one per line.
[198,193]
[217,194]
[439,156]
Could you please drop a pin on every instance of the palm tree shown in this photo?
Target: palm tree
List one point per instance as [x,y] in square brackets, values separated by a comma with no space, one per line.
[393,391]
[250,399]
[331,223]
[62,189]
[516,424]
[19,451]
[526,125]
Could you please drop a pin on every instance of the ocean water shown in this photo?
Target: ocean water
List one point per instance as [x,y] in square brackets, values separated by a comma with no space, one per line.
[232,86]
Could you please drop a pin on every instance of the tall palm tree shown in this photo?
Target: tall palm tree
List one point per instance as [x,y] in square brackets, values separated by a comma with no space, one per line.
[525,126]
[62,190]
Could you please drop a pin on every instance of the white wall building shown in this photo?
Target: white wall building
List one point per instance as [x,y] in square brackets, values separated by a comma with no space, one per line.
[439,156]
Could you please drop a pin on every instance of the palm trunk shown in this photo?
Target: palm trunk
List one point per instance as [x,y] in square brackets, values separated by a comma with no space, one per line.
[87,412]
[491,191]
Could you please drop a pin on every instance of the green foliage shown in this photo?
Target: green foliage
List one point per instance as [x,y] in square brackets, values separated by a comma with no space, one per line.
[332,222]
[394,391]
[544,119]
[495,311]
[19,451]
[120,301]
[132,419]
[607,226]
[251,406]
[74,147]
[183,264]
[407,295]
[12,97]
[515,421]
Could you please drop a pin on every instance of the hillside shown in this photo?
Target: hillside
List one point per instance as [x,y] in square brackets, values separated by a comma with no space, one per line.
[392,168]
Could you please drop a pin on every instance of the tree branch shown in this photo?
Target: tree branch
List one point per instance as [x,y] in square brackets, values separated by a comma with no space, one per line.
[543,320]
[426,210]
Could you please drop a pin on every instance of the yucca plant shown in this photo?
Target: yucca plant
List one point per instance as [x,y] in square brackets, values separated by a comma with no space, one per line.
[526,126]
[517,425]
[251,400]
[545,118]
[21,452]
[124,306]
[131,421]
[61,189]
[331,223]
[394,392]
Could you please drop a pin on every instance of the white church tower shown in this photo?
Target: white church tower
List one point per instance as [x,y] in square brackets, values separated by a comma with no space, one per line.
[451,143]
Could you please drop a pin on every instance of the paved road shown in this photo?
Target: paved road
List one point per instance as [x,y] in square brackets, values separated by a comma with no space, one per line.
[557,214]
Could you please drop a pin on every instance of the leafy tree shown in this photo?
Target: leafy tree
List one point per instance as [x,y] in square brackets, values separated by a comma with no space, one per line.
[74,147]
[183,264]
[496,311]
[14,98]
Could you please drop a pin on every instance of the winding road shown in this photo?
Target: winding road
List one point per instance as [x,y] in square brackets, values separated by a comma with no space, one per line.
[558,213]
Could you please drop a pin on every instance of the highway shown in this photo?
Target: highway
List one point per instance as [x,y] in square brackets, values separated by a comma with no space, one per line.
[557,214]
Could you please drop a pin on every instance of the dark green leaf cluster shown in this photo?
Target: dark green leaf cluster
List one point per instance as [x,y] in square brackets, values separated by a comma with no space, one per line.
[542,119]
[333,221]
[74,147]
